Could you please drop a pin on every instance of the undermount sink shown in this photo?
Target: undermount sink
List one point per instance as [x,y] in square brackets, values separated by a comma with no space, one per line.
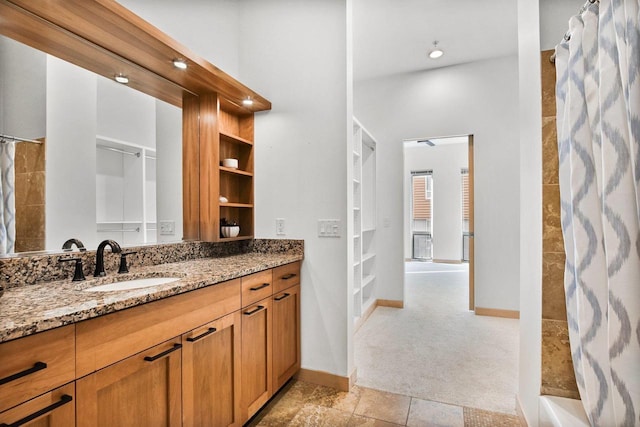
[126,285]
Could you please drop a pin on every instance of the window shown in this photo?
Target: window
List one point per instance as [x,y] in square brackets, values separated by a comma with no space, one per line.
[464,193]
[422,213]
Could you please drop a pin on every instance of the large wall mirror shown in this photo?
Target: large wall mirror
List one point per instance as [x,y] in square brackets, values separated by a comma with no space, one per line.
[107,163]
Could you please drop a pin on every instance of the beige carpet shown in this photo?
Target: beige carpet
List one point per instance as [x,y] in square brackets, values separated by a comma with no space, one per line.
[435,349]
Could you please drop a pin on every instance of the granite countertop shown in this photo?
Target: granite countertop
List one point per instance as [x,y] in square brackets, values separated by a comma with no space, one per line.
[35,308]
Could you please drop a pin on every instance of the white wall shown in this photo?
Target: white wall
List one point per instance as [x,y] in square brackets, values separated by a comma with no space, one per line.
[554,20]
[479,98]
[293,53]
[71,154]
[126,114]
[22,90]
[445,161]
[208,28]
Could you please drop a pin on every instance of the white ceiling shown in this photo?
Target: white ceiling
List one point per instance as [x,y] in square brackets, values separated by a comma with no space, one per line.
[395,36]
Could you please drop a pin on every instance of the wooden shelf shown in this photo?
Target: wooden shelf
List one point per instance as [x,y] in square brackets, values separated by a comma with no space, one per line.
[233,239]
[236,205]
[235,138]
[235,171]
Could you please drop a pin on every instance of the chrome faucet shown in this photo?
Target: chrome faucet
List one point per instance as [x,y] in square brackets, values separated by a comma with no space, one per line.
[67,246]
[115,248]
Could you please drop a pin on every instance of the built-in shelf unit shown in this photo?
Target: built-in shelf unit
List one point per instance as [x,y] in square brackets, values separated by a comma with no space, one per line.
[125,191]
[362,203]
[235,126]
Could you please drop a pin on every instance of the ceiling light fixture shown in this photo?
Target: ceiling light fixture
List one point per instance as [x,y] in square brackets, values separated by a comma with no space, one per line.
[180,63]
[427,142]
[121,78]
[247,102]
[436,52]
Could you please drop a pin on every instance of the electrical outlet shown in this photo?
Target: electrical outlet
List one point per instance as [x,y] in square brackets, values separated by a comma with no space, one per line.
[328,228]
[280,226]
[167,228]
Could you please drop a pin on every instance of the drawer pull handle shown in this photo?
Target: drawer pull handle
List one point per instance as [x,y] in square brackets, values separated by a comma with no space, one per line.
[281,297]
[64,399]
[289,276]
[254,311]
[202,335]
[38,366]
[164,353]
[257,288]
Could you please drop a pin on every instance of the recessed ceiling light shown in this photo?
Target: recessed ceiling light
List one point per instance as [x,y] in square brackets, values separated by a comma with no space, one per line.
[120,78]
[436,52]
[180,63]
[247,102]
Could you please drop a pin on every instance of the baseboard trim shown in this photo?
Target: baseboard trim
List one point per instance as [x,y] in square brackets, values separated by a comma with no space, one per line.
[520,412]
[447,261]
[326,379]
[390,303]
[365,316]
[353,377]
[497,312]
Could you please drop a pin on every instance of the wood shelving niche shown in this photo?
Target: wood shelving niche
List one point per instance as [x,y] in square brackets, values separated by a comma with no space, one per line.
[235,127]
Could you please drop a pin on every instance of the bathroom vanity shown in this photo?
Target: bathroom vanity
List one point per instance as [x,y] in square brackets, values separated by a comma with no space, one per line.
[209,349]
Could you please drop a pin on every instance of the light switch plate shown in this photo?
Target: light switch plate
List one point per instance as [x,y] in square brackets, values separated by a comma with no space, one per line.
[329,228]
[280,226]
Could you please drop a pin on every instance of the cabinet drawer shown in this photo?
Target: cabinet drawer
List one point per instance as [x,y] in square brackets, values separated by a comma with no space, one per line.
[54,409]
[255,287]
[35,364]
[286,276]
[107,339]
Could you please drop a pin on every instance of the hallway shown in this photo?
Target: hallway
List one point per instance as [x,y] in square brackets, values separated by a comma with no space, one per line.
[435,349]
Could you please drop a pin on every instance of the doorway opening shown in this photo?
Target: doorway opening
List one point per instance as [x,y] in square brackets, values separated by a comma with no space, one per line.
[439,204]
[431,348]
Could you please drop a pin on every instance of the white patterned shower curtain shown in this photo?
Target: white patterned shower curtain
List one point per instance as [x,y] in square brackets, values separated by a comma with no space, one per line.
[598,107]
[7,198]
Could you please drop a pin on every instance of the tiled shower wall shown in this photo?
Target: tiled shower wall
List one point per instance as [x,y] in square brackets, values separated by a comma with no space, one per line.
[30,191]
[558,378]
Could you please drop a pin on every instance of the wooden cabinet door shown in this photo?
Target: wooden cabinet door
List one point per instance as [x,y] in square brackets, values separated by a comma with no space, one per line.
[53,409]
[142,390]
[286,335]
[257,377]
[211,360]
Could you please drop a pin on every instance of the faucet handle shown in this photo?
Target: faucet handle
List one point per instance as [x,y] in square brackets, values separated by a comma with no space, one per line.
[123,262]
[78,274]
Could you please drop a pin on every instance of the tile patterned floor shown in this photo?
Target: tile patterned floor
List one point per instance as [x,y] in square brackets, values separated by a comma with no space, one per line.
[303,404]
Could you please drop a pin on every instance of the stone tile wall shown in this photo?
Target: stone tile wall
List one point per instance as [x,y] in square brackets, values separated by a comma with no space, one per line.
[558,378]
[30,196]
